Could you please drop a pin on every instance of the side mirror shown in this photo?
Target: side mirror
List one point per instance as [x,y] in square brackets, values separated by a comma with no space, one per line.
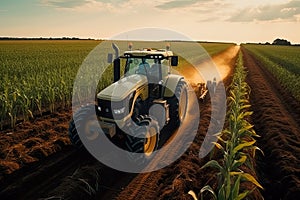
[174,60]
[110,58]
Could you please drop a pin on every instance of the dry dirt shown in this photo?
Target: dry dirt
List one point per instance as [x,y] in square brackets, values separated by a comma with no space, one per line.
[37,161]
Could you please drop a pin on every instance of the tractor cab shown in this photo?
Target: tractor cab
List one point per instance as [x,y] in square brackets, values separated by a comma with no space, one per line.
[154,64]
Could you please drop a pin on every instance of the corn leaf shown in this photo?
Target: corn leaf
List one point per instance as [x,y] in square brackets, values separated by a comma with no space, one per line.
[254,149]
[237,163]
[245,128]
[214,164]
[219,146]
[221,193]
[210,190]
[243,145]
[192,193]
[245,106]
[242,195]
[250,178]
[236,188]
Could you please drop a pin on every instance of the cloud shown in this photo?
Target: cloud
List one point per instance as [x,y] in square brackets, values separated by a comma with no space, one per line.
[63,3]
[69,4]
[178,4]
[200,10]
[279,12]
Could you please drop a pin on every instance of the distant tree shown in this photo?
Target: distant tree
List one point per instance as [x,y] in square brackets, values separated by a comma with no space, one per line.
[267,43]
[281,42]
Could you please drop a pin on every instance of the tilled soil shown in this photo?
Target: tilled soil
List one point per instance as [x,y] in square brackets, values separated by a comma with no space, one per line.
[276,119]
[177,179]
[74,175]
[37,161]
[185,174]
[32,141]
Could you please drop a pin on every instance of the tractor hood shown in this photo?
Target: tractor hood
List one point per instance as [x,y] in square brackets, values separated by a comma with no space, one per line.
[122,88]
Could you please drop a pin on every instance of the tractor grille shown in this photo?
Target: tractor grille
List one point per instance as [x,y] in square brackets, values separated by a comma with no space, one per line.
[106,109]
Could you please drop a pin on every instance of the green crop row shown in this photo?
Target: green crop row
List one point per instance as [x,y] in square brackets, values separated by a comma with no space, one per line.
[285,56]
[237,144]
[283,63]
[38,76]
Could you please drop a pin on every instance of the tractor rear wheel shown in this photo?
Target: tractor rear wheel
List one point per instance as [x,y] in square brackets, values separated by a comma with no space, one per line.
[178,104]
[144,141]
[83,121]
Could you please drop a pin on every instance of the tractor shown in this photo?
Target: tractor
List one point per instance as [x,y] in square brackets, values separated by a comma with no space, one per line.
[137,106]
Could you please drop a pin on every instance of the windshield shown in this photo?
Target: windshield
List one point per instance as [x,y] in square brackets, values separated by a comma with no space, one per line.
[139,66]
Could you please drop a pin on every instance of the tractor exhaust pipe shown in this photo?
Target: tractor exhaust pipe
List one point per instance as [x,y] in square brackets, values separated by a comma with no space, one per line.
[117,63]
[116,49]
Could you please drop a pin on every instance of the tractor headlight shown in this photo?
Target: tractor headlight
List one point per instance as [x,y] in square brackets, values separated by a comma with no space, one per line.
[119,111]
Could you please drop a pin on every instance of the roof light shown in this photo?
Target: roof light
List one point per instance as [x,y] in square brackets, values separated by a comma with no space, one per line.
[130,46]
[168,46]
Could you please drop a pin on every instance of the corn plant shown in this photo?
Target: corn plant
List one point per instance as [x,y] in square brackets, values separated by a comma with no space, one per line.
[37,76]
[237,144]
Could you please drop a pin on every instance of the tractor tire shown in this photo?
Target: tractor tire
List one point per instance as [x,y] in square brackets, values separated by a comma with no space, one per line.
[178,104]
[83,118]
[144,141]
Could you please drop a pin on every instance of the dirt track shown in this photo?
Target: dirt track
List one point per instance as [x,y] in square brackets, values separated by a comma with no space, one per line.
[219,66]
[276,120]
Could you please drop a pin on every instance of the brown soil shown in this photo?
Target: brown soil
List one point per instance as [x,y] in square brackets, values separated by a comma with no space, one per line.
[32,141]
[36,159]
[69,174]
[276,119]
[177,179]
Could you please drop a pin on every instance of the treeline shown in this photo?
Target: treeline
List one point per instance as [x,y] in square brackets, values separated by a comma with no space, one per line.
[43,38]
[278,41]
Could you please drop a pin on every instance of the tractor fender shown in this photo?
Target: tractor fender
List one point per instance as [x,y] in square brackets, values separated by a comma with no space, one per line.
[171,84]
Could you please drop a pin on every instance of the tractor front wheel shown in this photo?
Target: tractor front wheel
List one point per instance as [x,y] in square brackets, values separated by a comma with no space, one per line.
[143,139]
[83,122]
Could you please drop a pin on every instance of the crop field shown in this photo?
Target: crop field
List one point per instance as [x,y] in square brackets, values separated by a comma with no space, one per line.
[38,76]
[255,156]
[275,117]
[283,63]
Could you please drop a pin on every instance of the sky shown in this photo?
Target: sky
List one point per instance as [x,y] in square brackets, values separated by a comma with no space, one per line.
[206,20]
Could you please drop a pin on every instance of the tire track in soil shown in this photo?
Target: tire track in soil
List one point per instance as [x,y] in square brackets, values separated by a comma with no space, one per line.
[180,175]
[57,175]
[276,120]
[175,180]
[113,183]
